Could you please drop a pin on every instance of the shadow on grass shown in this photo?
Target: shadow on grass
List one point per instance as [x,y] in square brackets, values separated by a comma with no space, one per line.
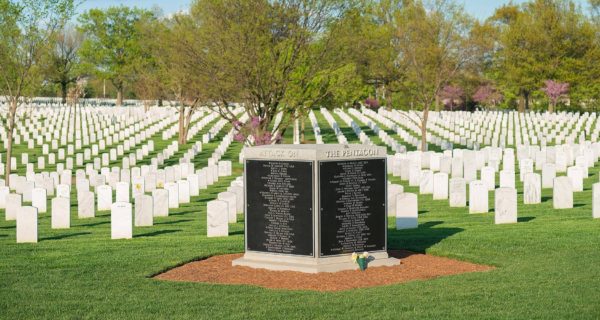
[95,224]
[421,238]
[236,232]
[64,236]
[181,213]
[525,219]
[174,221]
[156,233]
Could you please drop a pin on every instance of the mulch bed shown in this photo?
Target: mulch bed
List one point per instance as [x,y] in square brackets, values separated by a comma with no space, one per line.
[414,266]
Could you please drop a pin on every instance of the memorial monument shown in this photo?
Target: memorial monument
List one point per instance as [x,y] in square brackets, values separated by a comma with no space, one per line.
[309,207]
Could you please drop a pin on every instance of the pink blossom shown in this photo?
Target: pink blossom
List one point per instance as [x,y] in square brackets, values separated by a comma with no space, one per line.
[239,137]
[255,122]
[555,90]
[487,94]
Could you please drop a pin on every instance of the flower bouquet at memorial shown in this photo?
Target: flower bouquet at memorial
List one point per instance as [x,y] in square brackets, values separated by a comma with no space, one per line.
[361,260]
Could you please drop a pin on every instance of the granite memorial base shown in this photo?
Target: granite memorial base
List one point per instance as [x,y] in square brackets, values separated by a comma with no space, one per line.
[309,207]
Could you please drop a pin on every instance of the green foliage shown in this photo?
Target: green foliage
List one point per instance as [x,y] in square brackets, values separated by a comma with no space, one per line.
[112,49]
[543,40]
[26,27]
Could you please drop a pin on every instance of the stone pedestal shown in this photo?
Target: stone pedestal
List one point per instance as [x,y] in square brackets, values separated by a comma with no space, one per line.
[309,207]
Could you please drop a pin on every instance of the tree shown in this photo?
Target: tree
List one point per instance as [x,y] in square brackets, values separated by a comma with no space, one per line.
[25,29]
[555,90]
[112,48]
[254,51]
[451,94]
[174,67]
[432,40]
[487,95]
[62,59]
[541,40]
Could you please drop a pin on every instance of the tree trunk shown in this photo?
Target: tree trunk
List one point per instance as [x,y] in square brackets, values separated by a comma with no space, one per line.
[521,106]
[119,96]
[437,104]
[182,132]
[184,124]
[424,128]
[9,137]
[302,128]
[551,107]
[63,92]
[388,97]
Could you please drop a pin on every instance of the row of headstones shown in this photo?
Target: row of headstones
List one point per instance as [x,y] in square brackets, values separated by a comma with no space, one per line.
[409,138]
[114,152]
[388,140]
[316,129]
[405,205]
[494,137]
[146,206]
[105,136]
[482,127]
[335,126]
[455,190]
[543,126]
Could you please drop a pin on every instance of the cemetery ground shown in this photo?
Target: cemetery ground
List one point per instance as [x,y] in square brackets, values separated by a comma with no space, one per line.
[546,266]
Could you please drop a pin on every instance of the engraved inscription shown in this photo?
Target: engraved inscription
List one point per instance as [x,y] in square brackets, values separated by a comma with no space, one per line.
[279,212]
[352,200]
[348,153]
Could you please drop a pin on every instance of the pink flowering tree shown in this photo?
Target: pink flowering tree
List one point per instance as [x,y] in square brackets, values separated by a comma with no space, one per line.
[451,94]
[372,103]
[252,132]
[487,95]
[555,91]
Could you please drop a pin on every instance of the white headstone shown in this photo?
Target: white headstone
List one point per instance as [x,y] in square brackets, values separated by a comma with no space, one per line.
[596,201]
[426,183]
[230,198]
[27,225]
[121,220]
[505,209]
[458,192]
[104,195]
[440,186]
[144,212]
[61,213]
[532,188]
[85,204]
[38,199]
[122,192]
[13,206]
[478,197]
[393,191]
[183,191]
[217,219]
[407,211]
[562,193]
[160,202]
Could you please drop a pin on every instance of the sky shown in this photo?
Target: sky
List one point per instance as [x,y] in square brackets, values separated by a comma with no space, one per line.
[480,9]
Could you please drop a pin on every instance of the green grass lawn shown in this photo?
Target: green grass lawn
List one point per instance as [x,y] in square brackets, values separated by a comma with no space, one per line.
[547,266]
